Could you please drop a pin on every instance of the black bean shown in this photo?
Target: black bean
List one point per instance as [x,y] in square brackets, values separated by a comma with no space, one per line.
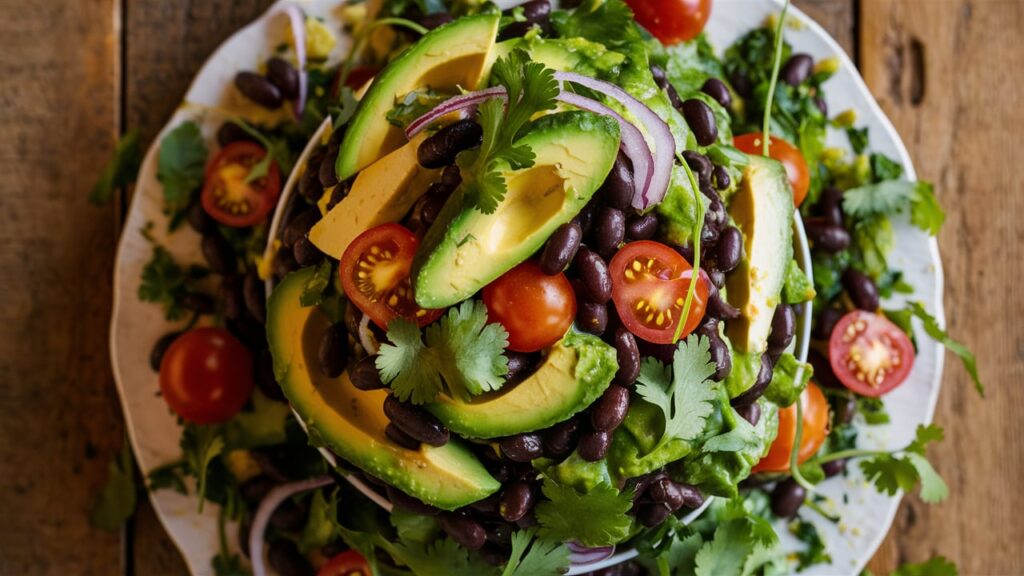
[751,413]
[783,327]
[701,121]
[309,183]
[199,220]
[594,445]
[830,205]
[284,263]
[522,447]
[861,289]
[609,230]
[333,352]
[642,227]
[652,514]
[220,256]
[685,251]
[520,365]
[627,354]
[721,177]
[823,373]
[797,69]
[229,133]
[561,248]
[288,516]
[440,149]
[431,21]
[719,91]
[306,253]
[617,189]
[559,439]
[593,271]
[500,533]
[156,356]
[716,276]
[592,317]
[826,236]
[741,83]
[488,506]
[499,470]
[334,548]
[255,489]
[516,500]
[721,357]
[673,97]
[610,409]
[395,434]
[265,379]
[827,320]
[284,557]
[833,468]
[536,11]
[819,101]
[845,407]
[231,298]
[199,302]
[258,89]
[701,167]
[254,291]
[430,205]
[365,376]
[327,172]
[339,193]
[585,218]
[729,251]
[284,76]
[717,306]
[464,530]
[661,352]
[408,503]
[416,422]
[299,226]
[252,334]
[787,498]
[658,73]
[764,378]
[665,491]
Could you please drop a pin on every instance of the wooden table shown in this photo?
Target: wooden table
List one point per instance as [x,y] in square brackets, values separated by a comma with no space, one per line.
[77,73]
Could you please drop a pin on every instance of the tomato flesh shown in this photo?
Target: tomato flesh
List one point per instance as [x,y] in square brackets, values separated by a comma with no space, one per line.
[536,309]
[206,375]
[791,157]
[348,563]
[649,287]
[813,434]
[672,21]
[869,354]
[375,275]
[228,198]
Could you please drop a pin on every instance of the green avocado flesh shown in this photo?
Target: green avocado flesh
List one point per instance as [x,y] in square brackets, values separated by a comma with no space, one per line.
[465,249]
[446,59]
[577,370]
[763,210]
[350,422]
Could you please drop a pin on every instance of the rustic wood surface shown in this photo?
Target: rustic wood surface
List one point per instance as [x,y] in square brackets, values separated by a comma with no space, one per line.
[76,73]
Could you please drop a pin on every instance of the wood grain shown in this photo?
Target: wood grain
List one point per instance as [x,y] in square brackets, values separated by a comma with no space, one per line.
[947,72]
[59,418]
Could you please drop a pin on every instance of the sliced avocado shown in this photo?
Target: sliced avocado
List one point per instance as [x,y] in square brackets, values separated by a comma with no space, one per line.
[577,370]
[350,422]
[465,249]
[763,209]
[384,192]
[447,58]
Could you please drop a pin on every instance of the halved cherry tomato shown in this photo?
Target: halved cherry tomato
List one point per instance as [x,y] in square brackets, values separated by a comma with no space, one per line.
[348,563]
[357,77]
[815,413]
[228,198]
[535,309]
[649,286]
[869,354]
[206,375]
[375,275]
[789,155]
[672,21]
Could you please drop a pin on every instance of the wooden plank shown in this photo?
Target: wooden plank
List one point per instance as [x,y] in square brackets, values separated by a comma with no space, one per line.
[59,416]
[835,16]
[947,73]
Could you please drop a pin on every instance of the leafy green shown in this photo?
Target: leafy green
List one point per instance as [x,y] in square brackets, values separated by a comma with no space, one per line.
[892,197]
[321,526]
[858,139]
[120,171]
[891,472]
[797,287]
[594,518]
[873,410]
[689,64]
[441,558]
[726,552]
[531,88]
[784,388]
[413,105]
[884,168]
[165,282]
[200,445]
[313,291]
[116,502]
[544,557]
[815,552]
[937,566]
[932,328]
[873,240]
[463,355]
[609,22]
[414,527]
[262,424]
[181,164]
[683,393]
[229,565]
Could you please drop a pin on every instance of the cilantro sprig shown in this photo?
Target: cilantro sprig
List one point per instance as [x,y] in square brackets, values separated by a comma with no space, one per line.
[684,393]
[533,556]
[531,88]
[594,518]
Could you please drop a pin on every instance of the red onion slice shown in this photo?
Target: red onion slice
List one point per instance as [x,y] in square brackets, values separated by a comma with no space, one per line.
[366,337]
[456,104]
[580,555]
[298,22]
[270,503]
[506,4]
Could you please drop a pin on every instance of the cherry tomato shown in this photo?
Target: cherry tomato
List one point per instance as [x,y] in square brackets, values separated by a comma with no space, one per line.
[869,354]
[672,21]
[535,308]
[206,375]
[815,413]
[789,155]
[228,198]
[375,275]
[348,563]
[649,286]
[357,78]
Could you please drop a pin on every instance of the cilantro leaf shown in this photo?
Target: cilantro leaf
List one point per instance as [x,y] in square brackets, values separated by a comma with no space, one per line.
[889,473]
[933,487]
[595,518]
[201,444]
[815,553]
[165,282]
[932,328]
[609,22]
[858,139]
[885,168]
[873,240]
[224,564]
[726,553]
[463,356]
[544,558]
[685,397]
[320,527]
[892,197]
[925,435]
[116,502]
[442,558]
[925,211]
[937,566]
[120,171]
[180,165]
[313,291]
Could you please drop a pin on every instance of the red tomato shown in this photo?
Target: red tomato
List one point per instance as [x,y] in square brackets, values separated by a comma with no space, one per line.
[649,286]
[815,413]
[357,77]
[535,308]
[672,21]
[375,275]
[869,354]
[228,198]
[206,375]
[789,155]
[348,563]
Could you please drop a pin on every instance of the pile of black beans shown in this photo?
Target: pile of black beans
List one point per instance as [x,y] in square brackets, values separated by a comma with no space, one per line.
[270,90]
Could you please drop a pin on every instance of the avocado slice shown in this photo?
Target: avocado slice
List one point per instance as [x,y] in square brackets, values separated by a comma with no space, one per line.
[447,58]
[763,209]
[465,249]
[350,422]
[577,370]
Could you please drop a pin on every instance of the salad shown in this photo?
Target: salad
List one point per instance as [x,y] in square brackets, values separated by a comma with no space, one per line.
[514,289]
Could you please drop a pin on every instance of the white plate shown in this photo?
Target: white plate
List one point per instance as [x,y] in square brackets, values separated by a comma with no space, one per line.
[136,325]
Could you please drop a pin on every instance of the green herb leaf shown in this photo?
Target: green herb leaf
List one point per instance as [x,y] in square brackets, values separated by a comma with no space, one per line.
[883,198]
[120,171]
[166,283]
[885,168]
[313,291]
[229,565]
[320,529]
[937,566]
[609,22]
[858,139]
[815,552]
[797,287]
[169,476]
[595,518]
[891,472]
[201,444]
[116,502]
[932,328]
[544,557]
[873,410]
[442,558]
[684,394]
[873,240]
[180,165]
[727,552]
[925,211]
[933,487]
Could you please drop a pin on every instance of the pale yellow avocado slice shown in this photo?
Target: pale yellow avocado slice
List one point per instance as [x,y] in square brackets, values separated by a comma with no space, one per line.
[350,422]
[383,192]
